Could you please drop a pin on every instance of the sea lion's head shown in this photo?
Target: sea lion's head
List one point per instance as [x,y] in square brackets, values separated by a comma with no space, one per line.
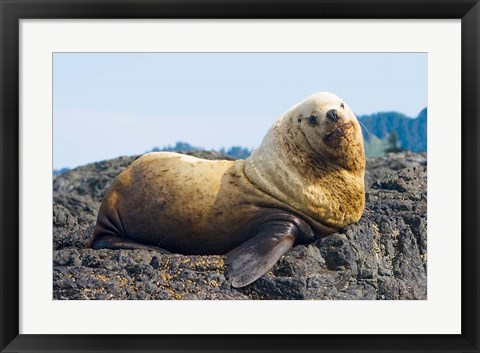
[313,159]
[329,128]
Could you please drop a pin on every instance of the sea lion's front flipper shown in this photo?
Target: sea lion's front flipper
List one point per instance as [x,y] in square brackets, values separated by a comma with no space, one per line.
[254,258]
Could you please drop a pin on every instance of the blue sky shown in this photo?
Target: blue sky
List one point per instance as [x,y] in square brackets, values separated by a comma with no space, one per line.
[111,104]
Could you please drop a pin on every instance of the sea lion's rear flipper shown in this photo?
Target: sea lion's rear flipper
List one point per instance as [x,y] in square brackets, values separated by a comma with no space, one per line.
[114,242]
[254,258]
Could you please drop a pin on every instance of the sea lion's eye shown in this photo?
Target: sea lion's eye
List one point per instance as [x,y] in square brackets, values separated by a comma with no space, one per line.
[342,105]
[312,119]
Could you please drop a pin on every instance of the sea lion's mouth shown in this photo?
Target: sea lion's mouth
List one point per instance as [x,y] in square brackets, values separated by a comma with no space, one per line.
[338,131]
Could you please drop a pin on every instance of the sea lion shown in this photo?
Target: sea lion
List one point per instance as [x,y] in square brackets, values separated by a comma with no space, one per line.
[305,181]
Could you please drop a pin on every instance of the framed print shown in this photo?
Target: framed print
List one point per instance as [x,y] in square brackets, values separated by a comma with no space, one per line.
[239,177]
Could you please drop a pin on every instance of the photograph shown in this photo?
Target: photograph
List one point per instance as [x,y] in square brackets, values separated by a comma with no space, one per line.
[272,176]
[239,175]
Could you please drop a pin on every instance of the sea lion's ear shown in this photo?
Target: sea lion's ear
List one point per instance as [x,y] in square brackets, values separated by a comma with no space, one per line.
[251,260]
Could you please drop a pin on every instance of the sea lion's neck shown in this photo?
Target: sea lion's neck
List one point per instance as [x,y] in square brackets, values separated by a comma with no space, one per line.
[305,180]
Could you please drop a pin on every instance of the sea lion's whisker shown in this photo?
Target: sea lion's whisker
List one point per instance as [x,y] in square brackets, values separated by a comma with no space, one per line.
[366,129]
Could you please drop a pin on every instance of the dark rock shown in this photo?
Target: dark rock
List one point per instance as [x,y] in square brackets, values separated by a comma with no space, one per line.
[337,252]
[391,163]
[383,256]
[278,288]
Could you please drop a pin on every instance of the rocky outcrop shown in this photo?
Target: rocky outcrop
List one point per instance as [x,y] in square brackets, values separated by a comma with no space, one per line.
[383,256]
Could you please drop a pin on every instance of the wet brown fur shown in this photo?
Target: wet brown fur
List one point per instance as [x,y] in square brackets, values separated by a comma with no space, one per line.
[186,209]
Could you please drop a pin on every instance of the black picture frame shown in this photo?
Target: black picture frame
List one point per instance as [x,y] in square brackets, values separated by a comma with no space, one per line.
[13,10]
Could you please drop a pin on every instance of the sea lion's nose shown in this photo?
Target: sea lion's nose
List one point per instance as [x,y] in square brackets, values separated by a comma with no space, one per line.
[332,115]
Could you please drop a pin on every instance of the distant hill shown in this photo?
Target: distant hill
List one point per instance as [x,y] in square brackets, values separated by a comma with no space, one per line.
[60,171]
[236,152]
[411,132]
